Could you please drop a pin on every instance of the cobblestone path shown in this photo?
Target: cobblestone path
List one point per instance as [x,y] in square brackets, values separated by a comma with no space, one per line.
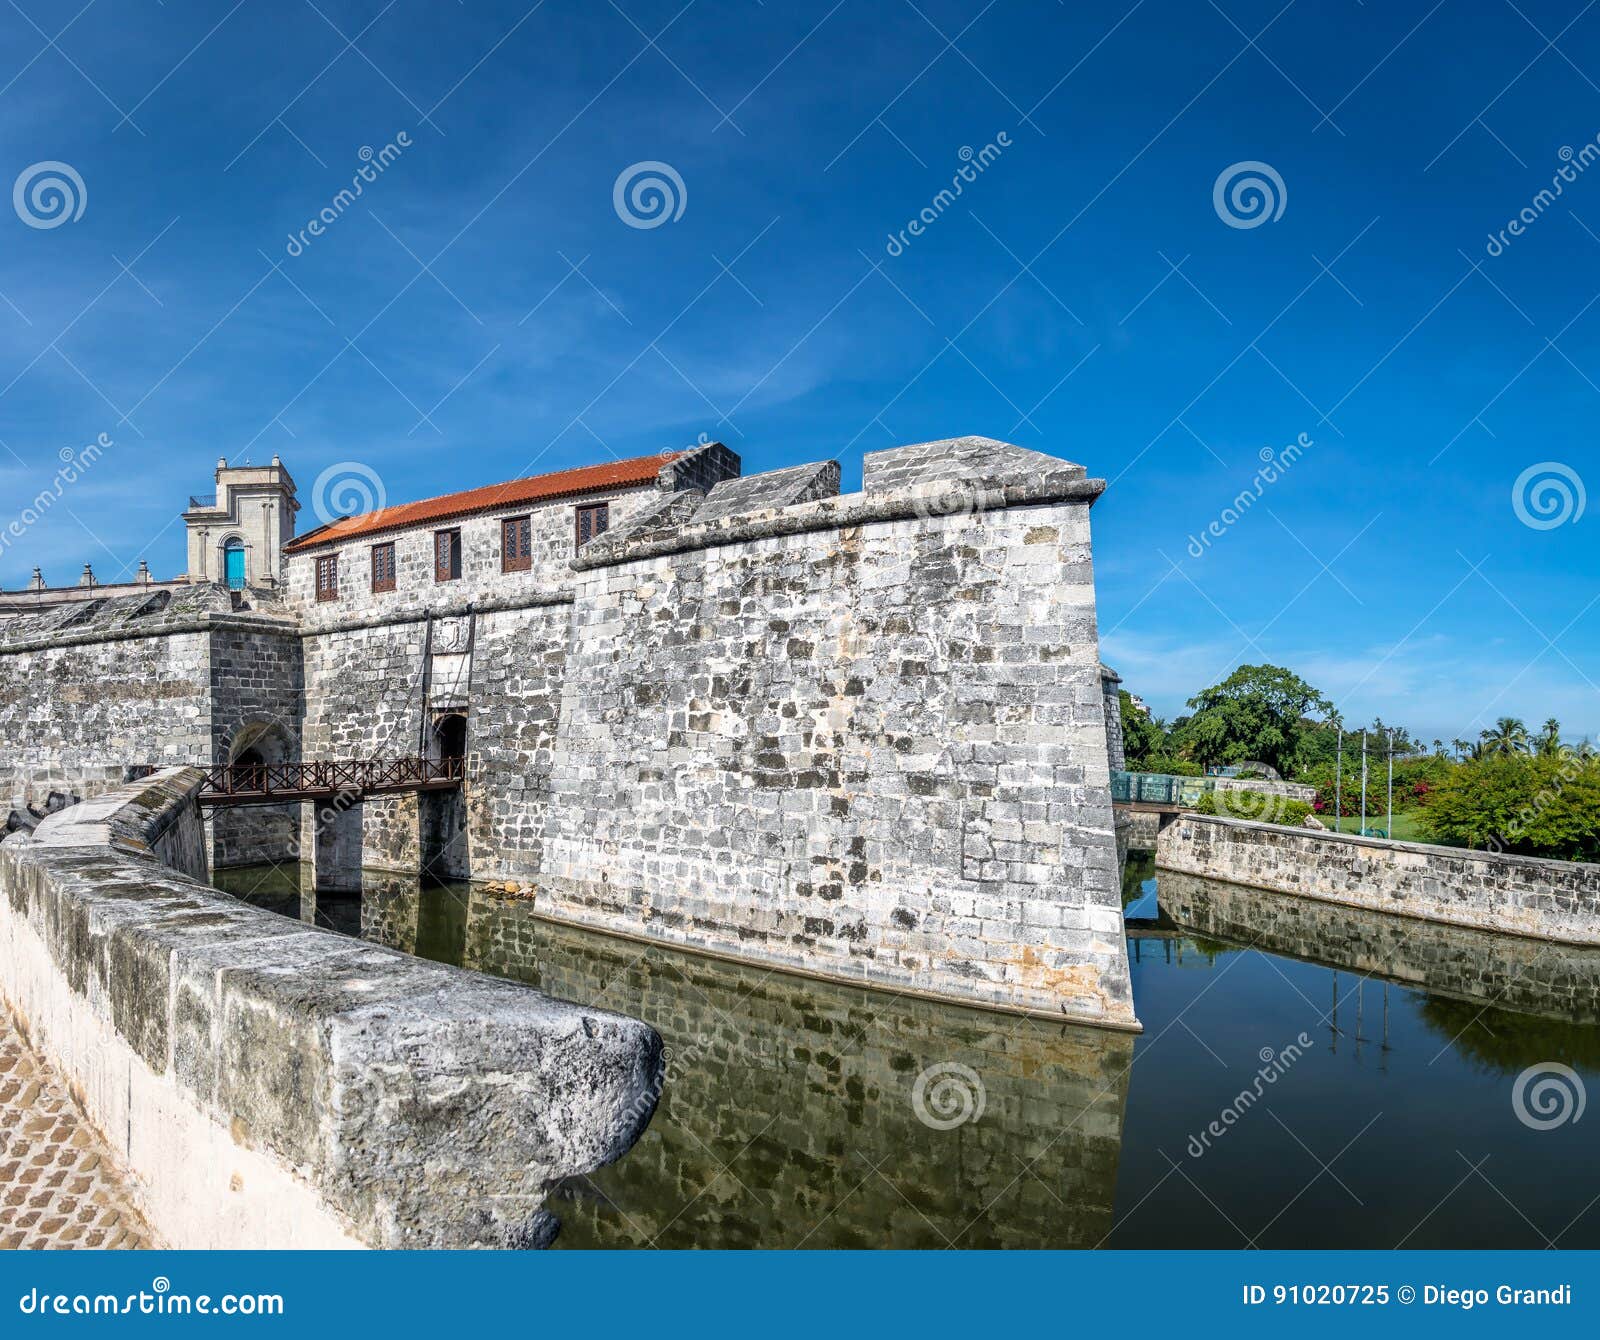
[58,1184]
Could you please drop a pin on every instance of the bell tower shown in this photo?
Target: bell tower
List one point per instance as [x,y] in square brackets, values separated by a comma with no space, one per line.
[237,540]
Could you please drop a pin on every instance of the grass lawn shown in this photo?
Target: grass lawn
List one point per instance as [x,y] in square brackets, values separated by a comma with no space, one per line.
[1407,827]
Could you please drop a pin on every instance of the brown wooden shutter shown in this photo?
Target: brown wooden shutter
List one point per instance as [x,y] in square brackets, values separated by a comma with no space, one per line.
[446,555]
[328,577]
[591,521]
[516,544]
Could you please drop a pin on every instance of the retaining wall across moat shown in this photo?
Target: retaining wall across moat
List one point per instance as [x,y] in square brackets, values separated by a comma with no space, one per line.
[268,1084]
[1518,895]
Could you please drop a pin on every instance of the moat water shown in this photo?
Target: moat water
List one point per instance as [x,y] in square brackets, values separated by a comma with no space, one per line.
[1309,1076]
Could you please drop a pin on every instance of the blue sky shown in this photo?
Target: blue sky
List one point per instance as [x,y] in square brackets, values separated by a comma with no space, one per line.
[483,311]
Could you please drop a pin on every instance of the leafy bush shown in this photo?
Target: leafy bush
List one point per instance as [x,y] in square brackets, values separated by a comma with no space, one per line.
[1254,805]
[1533,806]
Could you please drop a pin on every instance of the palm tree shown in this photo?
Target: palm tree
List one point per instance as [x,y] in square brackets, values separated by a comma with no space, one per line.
[1549,743]
[1509,736]
[1438,748]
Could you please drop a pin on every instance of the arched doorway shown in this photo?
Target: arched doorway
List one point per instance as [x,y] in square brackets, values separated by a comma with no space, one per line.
[233,563]
[247,835]
[442,815]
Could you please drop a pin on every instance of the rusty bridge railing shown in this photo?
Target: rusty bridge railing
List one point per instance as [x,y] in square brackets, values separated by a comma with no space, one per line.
[263,783]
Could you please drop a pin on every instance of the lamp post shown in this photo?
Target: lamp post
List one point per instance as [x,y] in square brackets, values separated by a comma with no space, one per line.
[1338,783]
[1389,828]
[1363,829]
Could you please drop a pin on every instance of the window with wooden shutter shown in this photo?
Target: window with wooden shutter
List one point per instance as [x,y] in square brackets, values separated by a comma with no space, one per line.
[383,567]
[516,544]
[592,519]
[328,577]
[446,555]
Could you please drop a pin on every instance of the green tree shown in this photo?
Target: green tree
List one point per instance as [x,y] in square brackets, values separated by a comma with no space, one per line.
[1480,801]
[1258,714]
[1142,734]
[1508,736]
[1549,742]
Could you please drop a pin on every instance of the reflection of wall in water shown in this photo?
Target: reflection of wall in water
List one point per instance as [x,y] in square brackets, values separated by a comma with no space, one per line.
[400,912]
[804,1090]
[1529,976]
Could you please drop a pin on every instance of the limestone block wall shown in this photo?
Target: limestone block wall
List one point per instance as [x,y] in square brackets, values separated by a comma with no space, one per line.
[859,737]
[257,701]
[1111,685]
[1552,900]
[88,690]
[74,717]
[518,681]
[364,699]
[269,1085]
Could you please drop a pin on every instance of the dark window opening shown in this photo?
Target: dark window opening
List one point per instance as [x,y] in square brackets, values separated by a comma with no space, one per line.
[446,555]
[593,519]
[451,733]
[516,544]
[328,577]
[383,567]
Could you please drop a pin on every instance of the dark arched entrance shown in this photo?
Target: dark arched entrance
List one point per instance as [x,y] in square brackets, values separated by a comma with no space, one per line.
[443,814]
[450,736]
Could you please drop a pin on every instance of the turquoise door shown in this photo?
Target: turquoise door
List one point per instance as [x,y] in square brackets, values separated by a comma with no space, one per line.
[233,565]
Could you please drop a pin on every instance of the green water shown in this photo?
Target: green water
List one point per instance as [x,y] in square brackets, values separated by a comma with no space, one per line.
[798,1113]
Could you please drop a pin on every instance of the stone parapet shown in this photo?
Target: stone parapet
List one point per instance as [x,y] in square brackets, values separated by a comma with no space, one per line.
[268,1084]
[910,498]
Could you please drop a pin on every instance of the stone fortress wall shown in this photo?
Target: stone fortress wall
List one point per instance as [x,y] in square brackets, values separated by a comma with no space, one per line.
[859,736]
[183,676]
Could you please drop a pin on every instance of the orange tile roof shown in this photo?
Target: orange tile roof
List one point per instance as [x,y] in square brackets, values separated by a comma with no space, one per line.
[539,488]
